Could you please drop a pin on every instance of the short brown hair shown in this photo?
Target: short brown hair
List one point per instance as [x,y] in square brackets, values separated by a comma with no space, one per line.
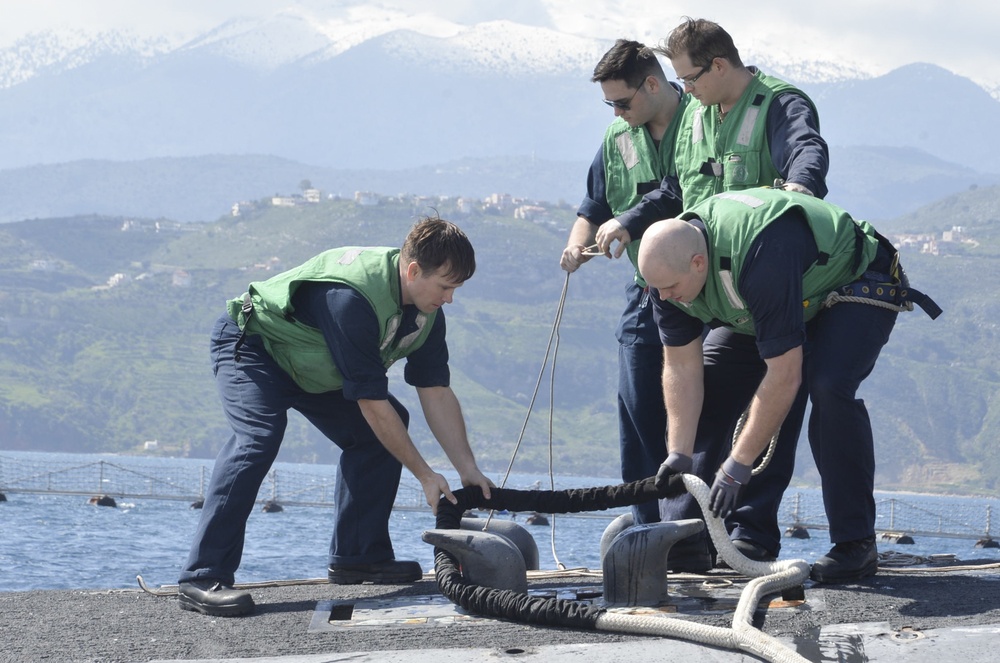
[434,243]
[702,40]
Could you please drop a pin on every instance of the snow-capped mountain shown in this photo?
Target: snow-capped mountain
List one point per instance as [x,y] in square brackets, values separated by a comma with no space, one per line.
[370,86]
[282,40]
[294,37]
[51,53]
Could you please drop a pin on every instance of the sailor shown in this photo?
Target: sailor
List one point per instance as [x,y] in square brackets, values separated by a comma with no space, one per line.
[788,271]
[636,154]
[743,129]
[320,339]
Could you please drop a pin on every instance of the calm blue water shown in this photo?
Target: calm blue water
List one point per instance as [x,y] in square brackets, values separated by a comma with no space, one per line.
[60,542]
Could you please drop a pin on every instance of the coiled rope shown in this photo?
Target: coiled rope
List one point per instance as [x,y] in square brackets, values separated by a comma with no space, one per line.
[771,446]
[836,298]
[768,577]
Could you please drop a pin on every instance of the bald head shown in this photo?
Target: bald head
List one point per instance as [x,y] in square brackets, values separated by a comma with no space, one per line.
[673,257]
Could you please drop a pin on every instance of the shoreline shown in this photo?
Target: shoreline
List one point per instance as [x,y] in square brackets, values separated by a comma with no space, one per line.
[450,474]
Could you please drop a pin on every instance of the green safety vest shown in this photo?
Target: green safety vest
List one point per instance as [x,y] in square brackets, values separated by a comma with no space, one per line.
[300,349]
[714,156]
[635,164]
[734,219]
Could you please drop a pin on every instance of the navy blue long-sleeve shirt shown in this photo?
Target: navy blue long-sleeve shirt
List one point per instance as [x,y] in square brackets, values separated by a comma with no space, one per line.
[351,330]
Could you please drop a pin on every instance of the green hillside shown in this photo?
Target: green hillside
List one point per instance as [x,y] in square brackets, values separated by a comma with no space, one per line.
[85,367]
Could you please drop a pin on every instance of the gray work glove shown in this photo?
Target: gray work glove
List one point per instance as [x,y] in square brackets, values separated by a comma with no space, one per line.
[668,478]
[729,480]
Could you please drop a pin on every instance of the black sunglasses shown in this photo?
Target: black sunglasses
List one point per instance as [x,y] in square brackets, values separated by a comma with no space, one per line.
[624,104]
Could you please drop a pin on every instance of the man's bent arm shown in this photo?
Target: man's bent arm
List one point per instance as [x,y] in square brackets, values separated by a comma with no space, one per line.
[798,151]
[580,237]
[390,431]
[683,394]
[659,204]
[770,405]
[444,417]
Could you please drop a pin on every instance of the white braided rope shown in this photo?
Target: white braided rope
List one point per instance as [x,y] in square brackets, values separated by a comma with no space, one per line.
[768,577]
[670,628]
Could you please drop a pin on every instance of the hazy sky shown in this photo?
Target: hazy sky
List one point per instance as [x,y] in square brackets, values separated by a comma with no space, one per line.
[876,35]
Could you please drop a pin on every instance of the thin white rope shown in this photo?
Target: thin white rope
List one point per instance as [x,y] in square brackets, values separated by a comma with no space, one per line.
[552,401]
[541,372]
[553,348]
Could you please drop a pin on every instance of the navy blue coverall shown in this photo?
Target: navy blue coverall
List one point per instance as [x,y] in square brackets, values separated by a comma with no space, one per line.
[256,395]
[792,130]
[840,347]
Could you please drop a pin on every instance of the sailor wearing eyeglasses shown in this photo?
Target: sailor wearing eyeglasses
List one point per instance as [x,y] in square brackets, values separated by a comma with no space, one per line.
[749,129]
[745,130]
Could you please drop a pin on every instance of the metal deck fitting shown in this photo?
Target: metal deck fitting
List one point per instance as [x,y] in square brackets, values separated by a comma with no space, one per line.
[517,535]
[635,562]
[486,559]
[614,528]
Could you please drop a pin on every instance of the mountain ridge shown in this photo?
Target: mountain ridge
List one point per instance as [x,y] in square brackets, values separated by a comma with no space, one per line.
[402,99]
[290,38]
[873,183]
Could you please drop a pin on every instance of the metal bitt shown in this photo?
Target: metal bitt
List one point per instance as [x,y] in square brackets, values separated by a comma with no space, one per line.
[519,536]
[486,559]
[635,563]
[617,526]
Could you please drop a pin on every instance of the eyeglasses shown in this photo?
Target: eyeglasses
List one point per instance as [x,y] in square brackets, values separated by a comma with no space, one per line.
[694,79]
[624,104]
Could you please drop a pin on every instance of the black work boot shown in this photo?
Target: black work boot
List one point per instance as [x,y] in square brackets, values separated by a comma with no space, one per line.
[847,561]
[389,572]
[211,597]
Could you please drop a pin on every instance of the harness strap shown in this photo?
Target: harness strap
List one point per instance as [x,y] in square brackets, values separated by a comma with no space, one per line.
[928,305]
[247,309]
[873,289]
[889,290]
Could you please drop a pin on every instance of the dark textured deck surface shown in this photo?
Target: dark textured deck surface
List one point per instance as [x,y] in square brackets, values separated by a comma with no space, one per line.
[914,613]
